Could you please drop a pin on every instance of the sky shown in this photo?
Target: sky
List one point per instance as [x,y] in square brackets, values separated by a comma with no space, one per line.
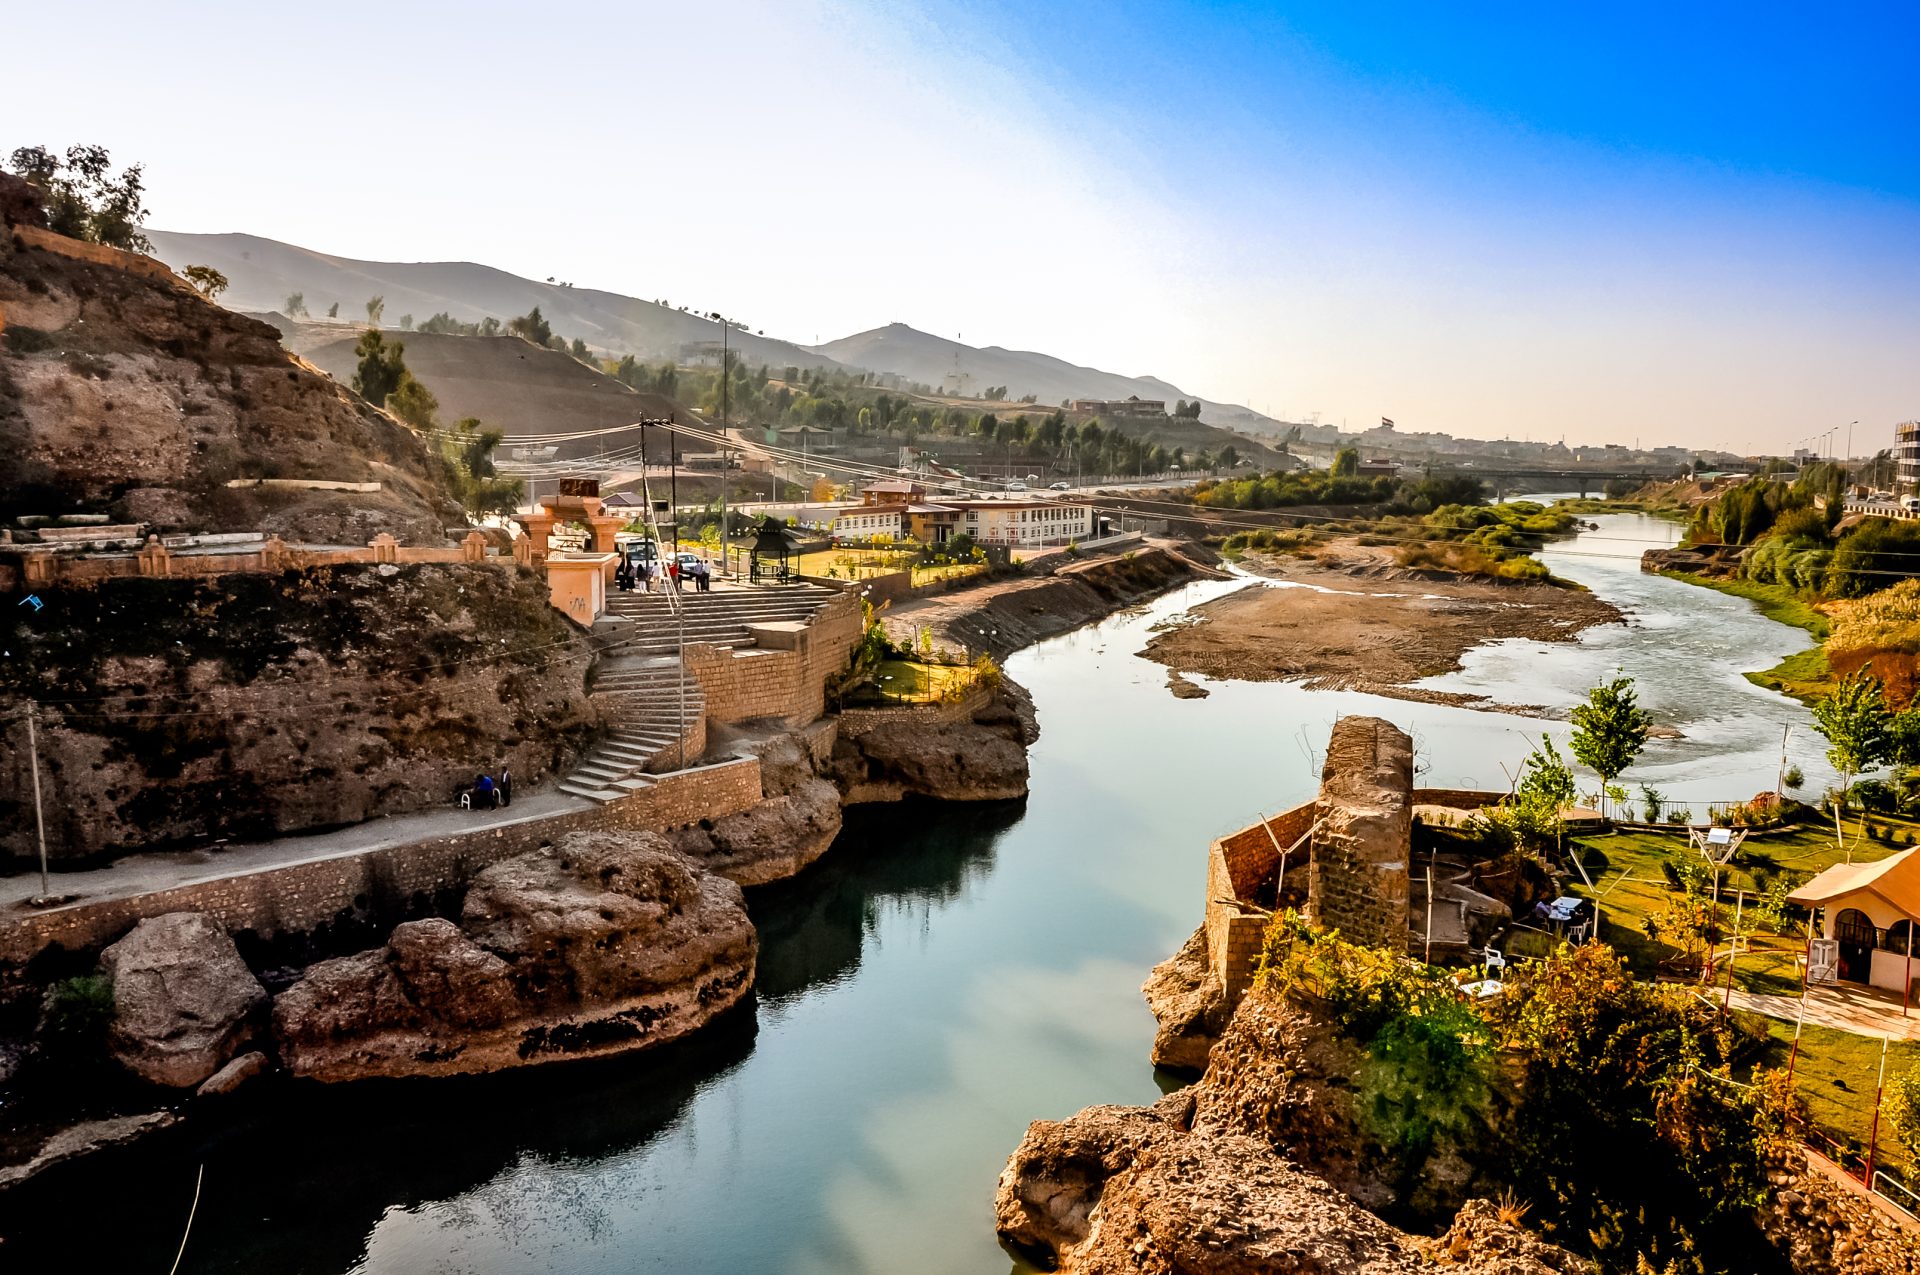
[1694,224]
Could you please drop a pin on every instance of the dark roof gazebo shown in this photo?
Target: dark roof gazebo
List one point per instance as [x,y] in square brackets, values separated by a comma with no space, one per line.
[771,561]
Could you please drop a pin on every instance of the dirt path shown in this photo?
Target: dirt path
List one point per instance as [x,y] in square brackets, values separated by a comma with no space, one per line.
[1362,623]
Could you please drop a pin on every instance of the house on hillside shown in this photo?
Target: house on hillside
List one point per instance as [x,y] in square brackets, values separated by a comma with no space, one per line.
[1868,914]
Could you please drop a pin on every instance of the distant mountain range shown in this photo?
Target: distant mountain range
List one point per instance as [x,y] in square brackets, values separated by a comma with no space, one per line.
[262,273]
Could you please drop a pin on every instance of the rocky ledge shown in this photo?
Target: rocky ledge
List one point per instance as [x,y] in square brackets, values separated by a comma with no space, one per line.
[602,943]
[955,755]
[1163,1188]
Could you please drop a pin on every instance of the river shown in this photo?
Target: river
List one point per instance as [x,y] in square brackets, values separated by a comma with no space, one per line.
[944,976]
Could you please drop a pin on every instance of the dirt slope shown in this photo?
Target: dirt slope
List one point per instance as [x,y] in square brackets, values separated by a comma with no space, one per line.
[126,395]
[508,383]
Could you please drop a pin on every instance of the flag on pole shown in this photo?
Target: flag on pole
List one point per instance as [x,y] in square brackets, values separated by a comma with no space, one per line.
[1386,422]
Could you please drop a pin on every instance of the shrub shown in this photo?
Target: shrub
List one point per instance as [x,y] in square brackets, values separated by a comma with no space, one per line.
[75,1014]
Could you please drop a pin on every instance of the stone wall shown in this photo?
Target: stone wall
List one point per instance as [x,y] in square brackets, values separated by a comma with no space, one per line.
[1358,884]
[44,567]
[390,881]
[744,684]
[1240,866]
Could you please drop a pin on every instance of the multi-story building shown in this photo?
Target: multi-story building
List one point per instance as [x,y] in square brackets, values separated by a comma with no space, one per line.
[1020,522]
[1906,450]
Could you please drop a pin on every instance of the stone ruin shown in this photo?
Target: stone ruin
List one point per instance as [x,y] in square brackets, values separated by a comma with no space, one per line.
[1358,880]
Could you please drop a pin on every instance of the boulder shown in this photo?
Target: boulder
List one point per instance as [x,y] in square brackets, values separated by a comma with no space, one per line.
[1189,1005]
[770,841]
[604,942]
[980,756]
[1129,1189]
[183,1000]
[234,1074]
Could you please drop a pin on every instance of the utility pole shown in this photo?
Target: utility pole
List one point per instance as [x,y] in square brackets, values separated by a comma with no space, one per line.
[39,819]
[726,547]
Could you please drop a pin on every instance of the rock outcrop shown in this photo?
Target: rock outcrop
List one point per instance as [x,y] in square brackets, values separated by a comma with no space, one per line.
[317,699]
[978,756]
[1130,1189]
[603,943]
[1189,1005]
[183,1001]
[124,392]
[794,825]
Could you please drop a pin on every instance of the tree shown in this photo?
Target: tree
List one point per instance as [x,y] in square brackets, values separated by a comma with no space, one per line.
[295,305]
[381,368]
[83,201]
[476,483]
[206,281]
[411,401]
[1609,730]
[531,326]
[333,311]
[406,323]
[1545,790]
[578,349]
[1854,720]
[1229,457]
[1903,1111]
[376,306]
[1346,463]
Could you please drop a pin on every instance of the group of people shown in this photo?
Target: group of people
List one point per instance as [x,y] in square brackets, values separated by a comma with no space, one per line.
[488,795]
[649,572]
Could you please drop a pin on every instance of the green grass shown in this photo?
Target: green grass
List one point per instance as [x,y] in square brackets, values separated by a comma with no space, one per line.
[1626,870]
[1835,1074]
[911,680]
[1805,676]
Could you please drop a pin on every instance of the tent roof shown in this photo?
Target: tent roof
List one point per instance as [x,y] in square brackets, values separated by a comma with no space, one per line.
[1895,879]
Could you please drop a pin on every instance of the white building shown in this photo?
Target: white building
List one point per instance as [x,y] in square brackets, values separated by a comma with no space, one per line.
[1868,913]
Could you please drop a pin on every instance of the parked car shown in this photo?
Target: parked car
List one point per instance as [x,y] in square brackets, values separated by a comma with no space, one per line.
[1016,485]
[1059,487]
[687,565]
[1911,502]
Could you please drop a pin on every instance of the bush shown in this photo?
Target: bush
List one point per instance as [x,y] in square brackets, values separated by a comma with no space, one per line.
[75,1015]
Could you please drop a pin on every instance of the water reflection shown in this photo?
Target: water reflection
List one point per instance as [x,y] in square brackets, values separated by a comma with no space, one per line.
[943,976]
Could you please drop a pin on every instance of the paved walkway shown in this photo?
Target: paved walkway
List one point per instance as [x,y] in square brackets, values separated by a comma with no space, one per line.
[145,873]
[1864,1011]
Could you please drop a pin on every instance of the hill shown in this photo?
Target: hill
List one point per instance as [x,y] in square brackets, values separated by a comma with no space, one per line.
[124,393]
[262,273]
[921,356]
[506,382]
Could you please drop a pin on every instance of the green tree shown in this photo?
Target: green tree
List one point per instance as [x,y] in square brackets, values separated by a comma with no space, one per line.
[476,483]
[376,306]
[1854,719]
[83,199]
[381,370]
[412,402]
[206,281]
[1609,730]
[1346,463]
[579,349]
[333,311]
[406,323]
[531,326]
[296,305]
[1903,1111]
[1545,790]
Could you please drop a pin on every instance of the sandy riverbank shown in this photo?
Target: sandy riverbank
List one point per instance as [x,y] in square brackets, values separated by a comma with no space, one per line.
[1360,622]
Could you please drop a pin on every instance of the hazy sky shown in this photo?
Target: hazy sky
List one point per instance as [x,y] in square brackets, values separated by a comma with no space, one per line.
[1695,223]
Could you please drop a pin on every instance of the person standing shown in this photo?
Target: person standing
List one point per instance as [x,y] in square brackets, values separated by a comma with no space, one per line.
[506,785]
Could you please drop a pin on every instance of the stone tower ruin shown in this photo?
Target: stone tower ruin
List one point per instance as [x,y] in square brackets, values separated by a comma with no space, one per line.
[1358,882]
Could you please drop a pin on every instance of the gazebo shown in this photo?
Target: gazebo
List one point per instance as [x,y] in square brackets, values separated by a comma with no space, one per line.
[1869,912]
[771,561]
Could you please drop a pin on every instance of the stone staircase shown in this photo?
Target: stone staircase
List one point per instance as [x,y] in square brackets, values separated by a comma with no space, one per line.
[641,696]
[643,623]
[638,679]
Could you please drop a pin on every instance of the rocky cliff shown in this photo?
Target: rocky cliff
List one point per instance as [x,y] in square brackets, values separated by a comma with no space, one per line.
[248,705]
[976,755]
[1170,1188]
[127,394]
[603,943]
[793,826]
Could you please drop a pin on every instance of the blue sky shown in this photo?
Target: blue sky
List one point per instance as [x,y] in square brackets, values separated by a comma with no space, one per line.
[1695,223]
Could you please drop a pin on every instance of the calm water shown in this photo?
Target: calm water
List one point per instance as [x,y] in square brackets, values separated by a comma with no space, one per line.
[944,976]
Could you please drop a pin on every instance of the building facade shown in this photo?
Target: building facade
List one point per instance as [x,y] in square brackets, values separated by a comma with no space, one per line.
[1906,450]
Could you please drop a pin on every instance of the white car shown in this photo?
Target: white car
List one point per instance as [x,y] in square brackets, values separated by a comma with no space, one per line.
[1016,485]
[1059,487]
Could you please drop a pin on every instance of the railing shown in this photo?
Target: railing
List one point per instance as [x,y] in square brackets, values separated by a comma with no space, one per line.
[1677,811]
[1906,1201]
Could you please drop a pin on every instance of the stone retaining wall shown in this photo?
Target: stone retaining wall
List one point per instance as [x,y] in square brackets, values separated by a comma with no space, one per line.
[392,880]
[744,684]
[45,567]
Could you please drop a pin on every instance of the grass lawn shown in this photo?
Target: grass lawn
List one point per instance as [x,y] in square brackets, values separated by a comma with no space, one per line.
[1805,676]
[858,564]
[1835,1071]
[910,680]
[1835,1075]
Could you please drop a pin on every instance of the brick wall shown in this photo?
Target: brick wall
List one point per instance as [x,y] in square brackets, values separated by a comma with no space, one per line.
[388,882]
[44,567]
[1239,865]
